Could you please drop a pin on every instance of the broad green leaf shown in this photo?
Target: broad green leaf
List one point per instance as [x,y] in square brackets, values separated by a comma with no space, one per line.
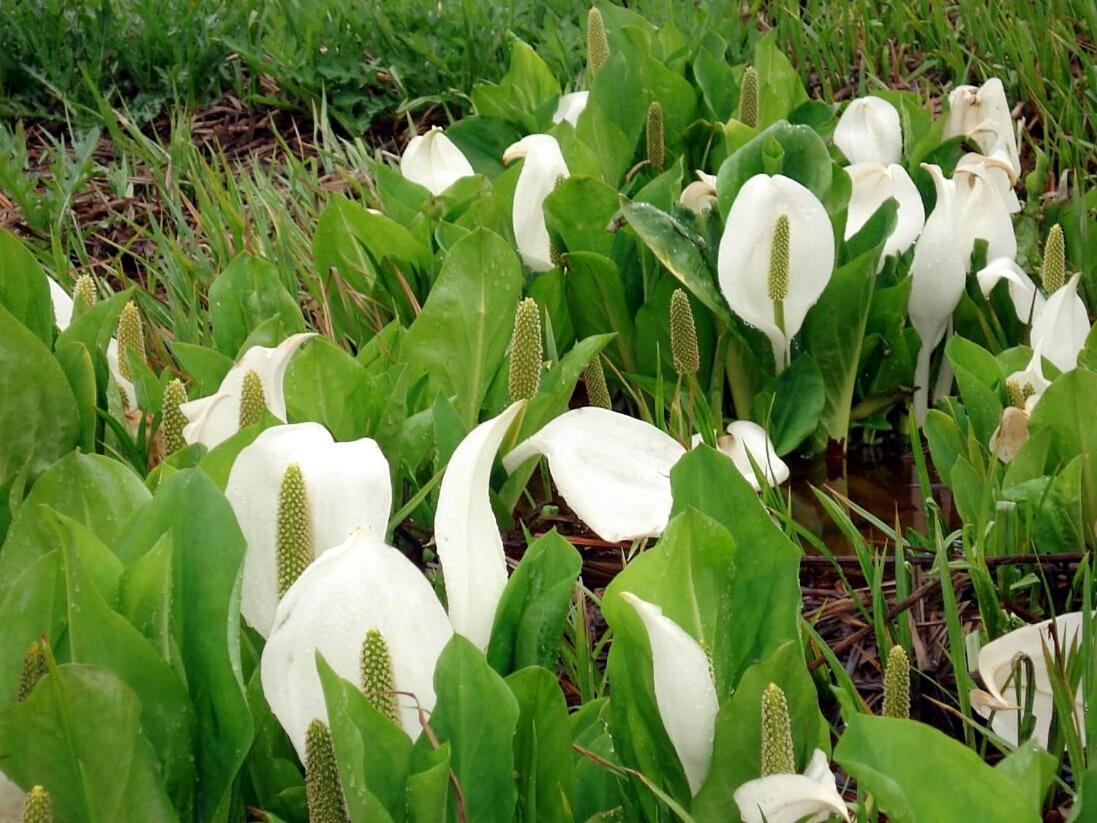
[33,608]
[542,747]
[596,303]
[208,550]
[429,784]
[794,151]
[144,596]
[597,789]
[780,89]
[24,289]
[477,715]
[461,336]
[917,773]
[206,367]
[610,145]
[979,378]
[579,211]
[524,92]
[325,384]
[248,292]
[765,591]
[78,734]
[38,413]
[790,405]
[76,361]
[529,620]
[483,140]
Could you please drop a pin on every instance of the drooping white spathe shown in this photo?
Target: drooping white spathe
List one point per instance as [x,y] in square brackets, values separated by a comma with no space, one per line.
[999,170]
[1026,298]
[684,691]
[613,470]
[570,107]
[789,798]
[869,132]
[470,547]
[983,114]
[746,247]
[433,160]
[873,184]
[62,304]
[745,440]
[937,273]
[1011,432]
[214,419]
[544,165]
[996,666]
[700,195]
[981,213]
[347,487]
[360,585]
[1060,327]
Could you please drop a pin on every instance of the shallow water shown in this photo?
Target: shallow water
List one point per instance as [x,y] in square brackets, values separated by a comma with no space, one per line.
[882,480]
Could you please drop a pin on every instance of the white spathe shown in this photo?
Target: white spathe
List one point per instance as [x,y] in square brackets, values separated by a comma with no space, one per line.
[744,440]
[684,691]
[347,487]
[793,798]
[873,184]
[997,167]
[746,247]
[982,214]
[1026,298]
[544,165]
[996,667]
[700,195]
[216,418]
[1061,326]
[1032,376]
[433,161]
[570,106]
[869,132]
[470,547]
[613,470]
[938,274]
[12,801]
[983,114]
[360,585]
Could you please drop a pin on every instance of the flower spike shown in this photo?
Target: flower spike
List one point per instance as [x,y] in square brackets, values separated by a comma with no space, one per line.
[252,400]
[378,684]
[293,541]
[172,420]
[655,137]
[777,752]
[597,42]
[1053,272]
[595,379]
[748,98]
[323,791]
[34,669]
[39,806]
[524,378]
[897,684]
[683,335]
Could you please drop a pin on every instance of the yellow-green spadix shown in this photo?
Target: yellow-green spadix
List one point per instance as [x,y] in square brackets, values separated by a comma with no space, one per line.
[775,216]
[346,487]
[213,419]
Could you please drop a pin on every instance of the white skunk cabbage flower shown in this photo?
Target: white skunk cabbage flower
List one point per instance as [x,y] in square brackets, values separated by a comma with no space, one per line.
[613,470]
[216,418]
[981,213]
[793,798]
[983,114]
[700,195]
[433,161]
[1026,298]
[62,304]
[346,487]
[776,257]
[937,273]
[470,547]
[570,107]
[1060,327]
[351,589]
[1025,388]
[744,440]
[869,132]
[684,691]
[996,669]
[873,184]
[998,169]
[544,165]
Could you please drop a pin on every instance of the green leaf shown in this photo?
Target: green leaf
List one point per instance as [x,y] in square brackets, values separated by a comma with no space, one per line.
[944,781]
[780,89]
[309,384]
[38,413]
[578,212]
[596,303]
[94,490]
[794,151]
[206,367]
[374,753]
[144,595]
[483,140]
[610,145]
[980,379]
[248,292]
[789,407]
[33,608]
[208,552]
[529,620]
[542,747]
[461,336]
[736,750]
[477,715]
[78,734]
[75,360]
[765,591]
[24,289]
[834,332]
[99,636]
[523,93]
